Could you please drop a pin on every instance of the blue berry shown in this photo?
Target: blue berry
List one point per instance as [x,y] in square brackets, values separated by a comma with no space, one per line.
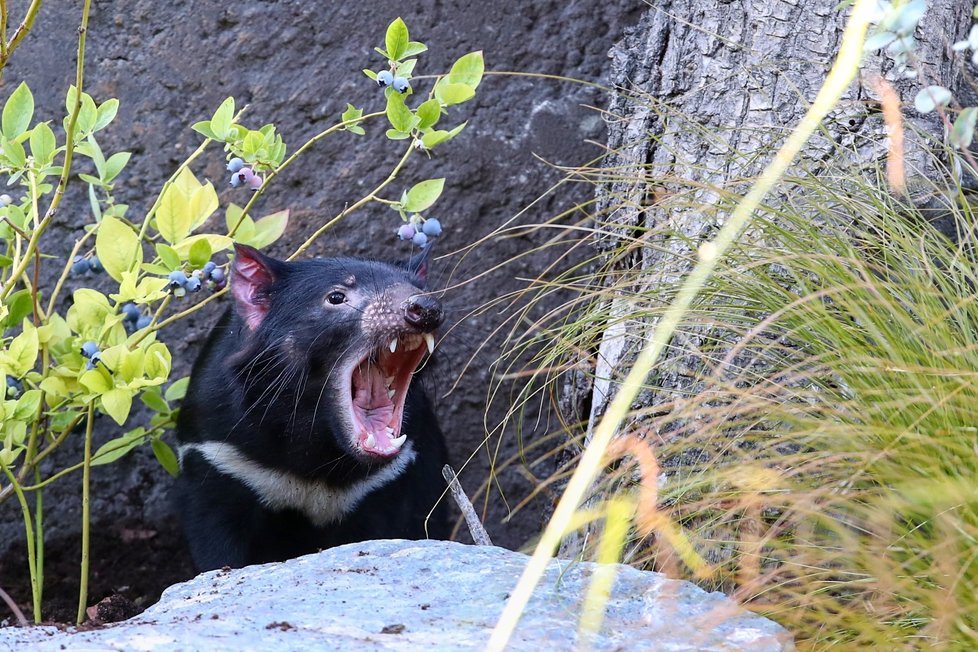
[208,267]
[235,164]
[385,78]
[406,232]
[95,264]
[217,275]
[143,322]
[93,361]
[254,182]
[178,281]
[80,266]
[130,311]
[193,284]
[400,85]
[431,227]
[89,349]
[14,388]
[235,180]
[420,239]
[6,200]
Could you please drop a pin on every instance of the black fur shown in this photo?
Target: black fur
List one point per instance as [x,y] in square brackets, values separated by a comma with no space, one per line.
[271,392]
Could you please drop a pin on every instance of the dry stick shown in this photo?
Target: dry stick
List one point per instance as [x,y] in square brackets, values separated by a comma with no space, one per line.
[14,608]
[839,78]
[479,534]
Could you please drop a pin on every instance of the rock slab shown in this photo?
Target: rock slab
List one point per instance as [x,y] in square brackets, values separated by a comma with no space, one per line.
[411,595]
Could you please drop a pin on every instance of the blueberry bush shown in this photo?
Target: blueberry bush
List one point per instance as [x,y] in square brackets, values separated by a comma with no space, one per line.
[103,354]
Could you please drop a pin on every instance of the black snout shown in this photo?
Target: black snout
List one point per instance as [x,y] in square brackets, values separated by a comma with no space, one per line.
[423,312]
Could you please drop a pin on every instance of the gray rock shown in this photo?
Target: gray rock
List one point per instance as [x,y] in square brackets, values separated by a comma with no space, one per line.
[410,595]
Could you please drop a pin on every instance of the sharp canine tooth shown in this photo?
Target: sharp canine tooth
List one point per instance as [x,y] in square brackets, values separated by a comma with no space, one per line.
[370,441]
[390,393]
[393,346]
[430,341]
[389,430]
[397,443]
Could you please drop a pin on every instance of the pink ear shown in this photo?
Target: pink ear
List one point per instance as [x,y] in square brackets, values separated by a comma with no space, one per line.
[251,274]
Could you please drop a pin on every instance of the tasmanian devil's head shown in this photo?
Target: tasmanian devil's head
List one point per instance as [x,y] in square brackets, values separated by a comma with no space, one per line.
[355,329]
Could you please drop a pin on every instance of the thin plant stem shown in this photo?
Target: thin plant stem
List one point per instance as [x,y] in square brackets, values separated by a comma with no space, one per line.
[29,531]
[840,76]
[86,489]
[352,207]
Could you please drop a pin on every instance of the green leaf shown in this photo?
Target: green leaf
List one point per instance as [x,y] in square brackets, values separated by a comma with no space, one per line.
[93,203]
[352,113]
[152,399]
[166,457]
[381,52]
[963,131]
[114,165]
[422,195]
[14,152]
[215,241]
[21,353]
[204,128]
[268,229]
[17,112]
[19,305]
[118,247]
[200,252]
[221,121]
[169,257]
[931,97]
[394,134]
[414,48]
[429,112]
[468,70]
[449,93]
[87,115]
[368,73]
[396,39]
[117,403]
[177,390]
[398,114]
[114,449]
[106,113]
[42,144]
[405,68]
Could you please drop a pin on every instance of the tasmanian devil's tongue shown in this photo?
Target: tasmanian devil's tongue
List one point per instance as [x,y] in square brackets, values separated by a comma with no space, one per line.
[374,407]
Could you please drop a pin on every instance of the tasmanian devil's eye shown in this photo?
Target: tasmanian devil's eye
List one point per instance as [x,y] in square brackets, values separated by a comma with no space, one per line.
[336,298]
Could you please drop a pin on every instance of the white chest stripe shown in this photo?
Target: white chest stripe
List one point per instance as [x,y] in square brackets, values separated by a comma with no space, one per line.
[276,489]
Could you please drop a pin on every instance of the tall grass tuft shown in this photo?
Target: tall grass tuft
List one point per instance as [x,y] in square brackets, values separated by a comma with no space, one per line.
[821,464]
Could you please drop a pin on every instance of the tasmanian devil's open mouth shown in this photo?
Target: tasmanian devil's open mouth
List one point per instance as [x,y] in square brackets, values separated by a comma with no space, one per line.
[378,386]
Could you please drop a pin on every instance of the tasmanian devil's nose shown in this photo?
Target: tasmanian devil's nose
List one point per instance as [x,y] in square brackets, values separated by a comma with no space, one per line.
[423,312]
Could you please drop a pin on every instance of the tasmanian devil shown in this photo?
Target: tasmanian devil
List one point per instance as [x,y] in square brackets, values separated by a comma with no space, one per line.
[301,428]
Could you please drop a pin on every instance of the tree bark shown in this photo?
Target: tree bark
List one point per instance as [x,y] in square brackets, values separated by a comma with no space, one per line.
[708,91]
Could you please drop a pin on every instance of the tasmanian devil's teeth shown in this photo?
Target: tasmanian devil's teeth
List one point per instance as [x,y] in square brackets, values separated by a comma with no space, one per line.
[398,442]
[390,393]
[370,441]
[389,430]
[393,346]
[430,341]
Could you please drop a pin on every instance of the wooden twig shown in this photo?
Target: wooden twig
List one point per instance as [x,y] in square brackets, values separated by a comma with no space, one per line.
[14,608]
[478,532]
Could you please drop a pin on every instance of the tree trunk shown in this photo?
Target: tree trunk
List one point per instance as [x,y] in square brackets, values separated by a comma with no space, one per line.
[709,90]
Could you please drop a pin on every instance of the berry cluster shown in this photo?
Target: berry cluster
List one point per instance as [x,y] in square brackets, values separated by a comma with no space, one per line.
[209,274]
[133,319]
[91,351]
[243,175]
[419,235]
[80,265]
[386,78]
